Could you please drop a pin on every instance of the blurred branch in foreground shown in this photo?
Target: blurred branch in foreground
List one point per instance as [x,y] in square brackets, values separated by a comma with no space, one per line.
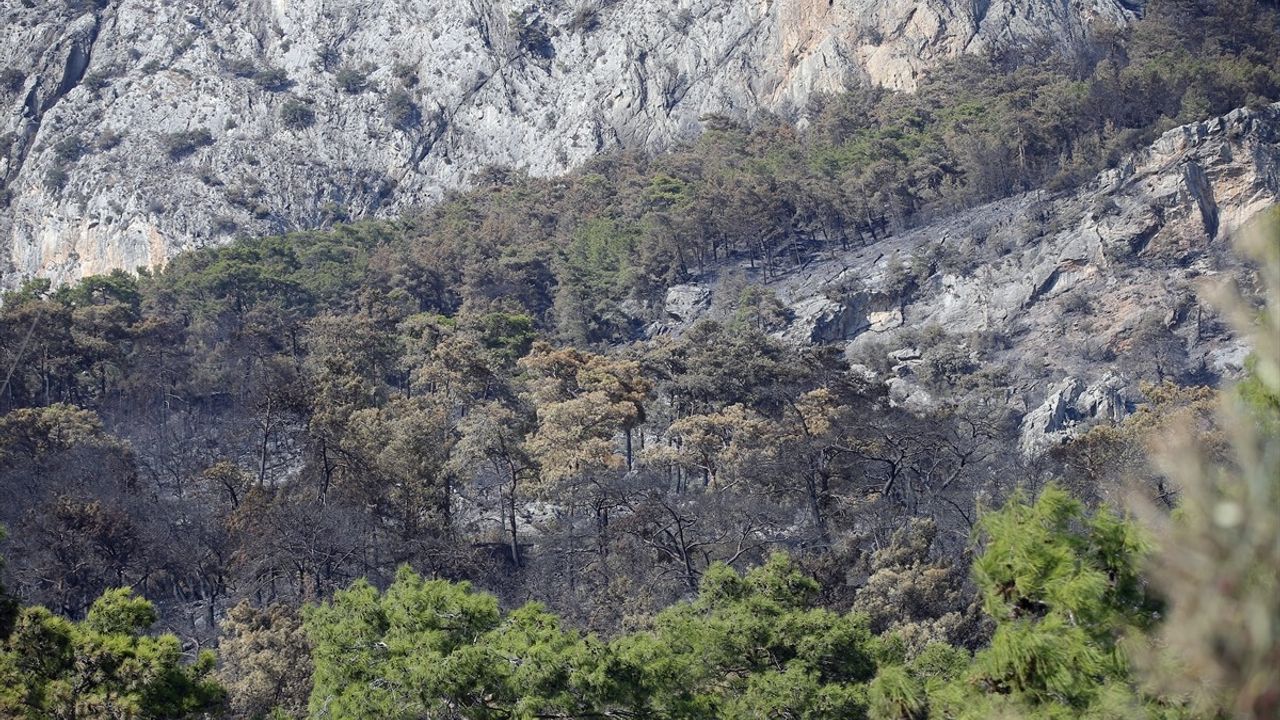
[1219,563]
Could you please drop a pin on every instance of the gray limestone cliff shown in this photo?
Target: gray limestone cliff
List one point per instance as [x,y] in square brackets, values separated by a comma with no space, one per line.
[132,129]
[1076,296]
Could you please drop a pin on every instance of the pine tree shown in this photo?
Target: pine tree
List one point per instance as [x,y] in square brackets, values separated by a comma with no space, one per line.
[431,648]
[751,646]
[1064,588]
[103,668]
[265,662]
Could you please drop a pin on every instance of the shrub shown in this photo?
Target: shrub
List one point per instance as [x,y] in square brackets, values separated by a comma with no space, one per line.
[406,73]
[1077,303]
[97,80]
[946,364]
[55,178]
[241,67]
[272,79]
[401,110]
[184,142]
[69,149]
[108,139]
[352,80]
[899,279]
[223,225]
[585,19]
[11,79]
[532,35]
[297,114]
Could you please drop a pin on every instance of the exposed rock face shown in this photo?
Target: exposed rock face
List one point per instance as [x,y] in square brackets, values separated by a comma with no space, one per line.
[319,109]
[1079,296]
[684,302]
[823,320]
[1070,405]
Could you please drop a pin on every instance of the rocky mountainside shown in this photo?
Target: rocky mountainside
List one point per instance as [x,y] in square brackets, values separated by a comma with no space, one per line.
[1075,295]
[133,129]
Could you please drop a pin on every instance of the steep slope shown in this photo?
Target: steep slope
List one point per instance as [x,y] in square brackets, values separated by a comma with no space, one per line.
[137,128]
[1077,296]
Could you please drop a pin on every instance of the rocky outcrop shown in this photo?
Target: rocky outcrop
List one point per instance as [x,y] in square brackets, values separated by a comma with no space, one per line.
[685,302]
[1077,296]
[1070,407]
[133,129]
[824,320]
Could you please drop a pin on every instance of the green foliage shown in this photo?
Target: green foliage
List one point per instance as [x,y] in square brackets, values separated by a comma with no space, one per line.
[507,335]
[751,646]
[595,278]
[1064,587]
[104,667]
[1260,396]
[761,310]
[748,646]
[352,80]
[896,694]
[439,649]
[115,288]
[40,433]
[402,111]
[98,79]
[305,272]
[81,334]
[55,179]
[69,149]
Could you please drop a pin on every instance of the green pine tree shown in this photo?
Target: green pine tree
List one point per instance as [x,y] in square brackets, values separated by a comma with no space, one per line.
[1064,587]
[103,668]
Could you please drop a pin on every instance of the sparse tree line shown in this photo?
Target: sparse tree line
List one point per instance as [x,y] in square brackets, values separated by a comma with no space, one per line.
[243,451]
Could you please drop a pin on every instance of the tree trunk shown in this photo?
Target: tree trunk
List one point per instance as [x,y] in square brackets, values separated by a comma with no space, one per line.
[511,515]
[630,464]
[262,457]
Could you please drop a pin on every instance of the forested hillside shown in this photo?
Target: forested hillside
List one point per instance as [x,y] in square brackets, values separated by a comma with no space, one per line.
[456,465]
